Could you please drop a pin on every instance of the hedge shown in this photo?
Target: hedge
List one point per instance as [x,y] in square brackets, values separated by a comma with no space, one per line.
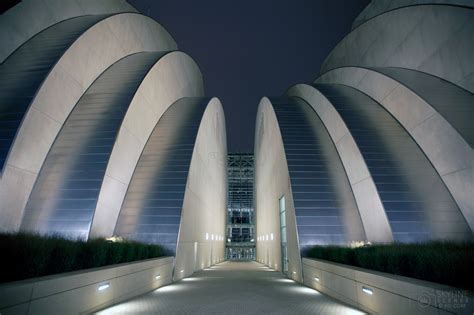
[442,262]
[29,255]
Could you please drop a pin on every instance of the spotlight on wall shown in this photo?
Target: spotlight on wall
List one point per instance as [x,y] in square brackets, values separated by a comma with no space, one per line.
[158,276]
[316,278]
[103,287]
[367,290]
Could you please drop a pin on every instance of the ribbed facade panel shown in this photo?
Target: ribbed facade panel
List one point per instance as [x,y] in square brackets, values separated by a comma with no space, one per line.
[151,211]
[65,194]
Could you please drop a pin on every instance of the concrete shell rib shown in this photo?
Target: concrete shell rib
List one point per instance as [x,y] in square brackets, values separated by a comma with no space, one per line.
[370,206]
[96,49]
[450,154]
[272,181]
[378,7]
[205,198]
[436,39]
[41,14]
[174,76]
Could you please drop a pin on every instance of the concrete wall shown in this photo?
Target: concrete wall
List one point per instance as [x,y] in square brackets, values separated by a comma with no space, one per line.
[174,76]
[436,39]
[205,201]
[272,181]
[443,145]
[391,294]
[41,14]
[377,7]
[95,50]
[368,201]
[78,292]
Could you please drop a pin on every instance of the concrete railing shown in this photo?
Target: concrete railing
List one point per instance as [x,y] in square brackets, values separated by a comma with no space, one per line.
[85,291]
[382,293]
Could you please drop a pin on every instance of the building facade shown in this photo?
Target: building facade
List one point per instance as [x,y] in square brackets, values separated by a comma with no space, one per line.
[240,243]
[105,131]
[379,147]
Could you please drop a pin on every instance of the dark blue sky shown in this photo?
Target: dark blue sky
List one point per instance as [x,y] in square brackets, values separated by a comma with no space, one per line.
[248,49]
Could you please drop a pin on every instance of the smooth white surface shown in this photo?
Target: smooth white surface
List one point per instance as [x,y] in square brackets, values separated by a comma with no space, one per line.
[451,156]
[205,200]
[174,76]
[430,38]
[103,44]
[272,181]
[368,201]
[41,14]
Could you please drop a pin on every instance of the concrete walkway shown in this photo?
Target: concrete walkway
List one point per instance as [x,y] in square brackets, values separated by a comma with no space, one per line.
[233,288]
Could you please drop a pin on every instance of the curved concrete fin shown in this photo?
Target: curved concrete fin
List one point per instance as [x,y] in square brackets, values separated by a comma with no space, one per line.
[432,111]
[369,203]
[65,193]
[417,203]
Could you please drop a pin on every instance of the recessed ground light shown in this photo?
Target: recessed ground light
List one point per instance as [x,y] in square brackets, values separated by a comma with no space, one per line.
[103,287]
[368,291]
[316,278]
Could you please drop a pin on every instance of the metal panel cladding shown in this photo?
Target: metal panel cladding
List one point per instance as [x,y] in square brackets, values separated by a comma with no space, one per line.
[325,208]
[151,211]
[416,202]
[23,72]
[65,194]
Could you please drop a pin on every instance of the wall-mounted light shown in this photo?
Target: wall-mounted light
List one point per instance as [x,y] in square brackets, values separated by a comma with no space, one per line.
[181,271]
[316,278]
[367,290]
[271,236]
[207,236]
[212,237]
[103,287]
[266,237]
[158,276]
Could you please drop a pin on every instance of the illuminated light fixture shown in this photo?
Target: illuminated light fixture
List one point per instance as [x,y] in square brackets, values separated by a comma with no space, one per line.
[271,236]
[266,237]
[252,240]
[316,278]
[212,237]
[294,272]
[181,270]
[207,236]
[103,287]
[368,291]
[228,240]
[158,276]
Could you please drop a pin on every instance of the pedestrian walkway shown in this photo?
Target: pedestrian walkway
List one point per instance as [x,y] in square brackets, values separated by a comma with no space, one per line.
[233,288]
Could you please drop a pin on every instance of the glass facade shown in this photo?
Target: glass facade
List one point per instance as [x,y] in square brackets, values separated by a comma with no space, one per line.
[240,244]
[64,197]
[325,208]
[151,211]
[23,72]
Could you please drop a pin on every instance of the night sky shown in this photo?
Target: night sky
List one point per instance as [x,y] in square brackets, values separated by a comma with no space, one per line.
[247,49]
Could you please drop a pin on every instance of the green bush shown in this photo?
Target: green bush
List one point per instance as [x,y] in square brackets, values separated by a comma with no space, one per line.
[442,262]
[30,255]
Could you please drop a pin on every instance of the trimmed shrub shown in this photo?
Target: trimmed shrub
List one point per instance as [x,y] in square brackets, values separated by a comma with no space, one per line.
[447,263]
[29,255]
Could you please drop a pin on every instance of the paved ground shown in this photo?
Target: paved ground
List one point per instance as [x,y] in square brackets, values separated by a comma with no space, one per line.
[233,288]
